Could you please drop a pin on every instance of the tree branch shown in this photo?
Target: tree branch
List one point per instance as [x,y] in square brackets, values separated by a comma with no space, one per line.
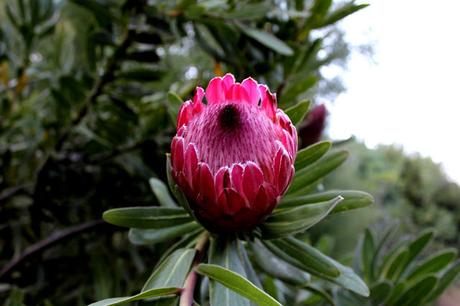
[186,296]
[57,236]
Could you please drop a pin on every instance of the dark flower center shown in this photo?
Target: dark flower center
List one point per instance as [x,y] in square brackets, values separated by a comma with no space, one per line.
[229,117]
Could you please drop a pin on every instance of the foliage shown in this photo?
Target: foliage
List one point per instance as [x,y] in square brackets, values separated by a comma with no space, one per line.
[87,112]
[396,271]
[409,188]
[228,260]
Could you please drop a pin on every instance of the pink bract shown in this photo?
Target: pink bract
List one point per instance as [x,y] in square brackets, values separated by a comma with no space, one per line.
[233,157]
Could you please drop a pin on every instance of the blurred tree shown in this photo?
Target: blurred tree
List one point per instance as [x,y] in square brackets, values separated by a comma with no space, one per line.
[409,188]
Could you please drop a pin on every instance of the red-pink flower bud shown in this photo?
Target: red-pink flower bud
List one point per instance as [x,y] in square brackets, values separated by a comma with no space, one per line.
[233,157]
[313,127]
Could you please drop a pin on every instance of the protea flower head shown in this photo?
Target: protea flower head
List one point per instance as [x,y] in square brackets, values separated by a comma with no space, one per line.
[233,156]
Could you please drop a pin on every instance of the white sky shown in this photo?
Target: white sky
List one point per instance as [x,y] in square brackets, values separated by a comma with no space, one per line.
[410,95]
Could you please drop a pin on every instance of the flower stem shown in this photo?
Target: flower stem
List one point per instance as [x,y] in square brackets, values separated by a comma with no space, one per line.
[186,296]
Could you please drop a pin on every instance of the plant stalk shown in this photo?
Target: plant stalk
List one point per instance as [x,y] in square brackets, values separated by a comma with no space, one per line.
[186,296]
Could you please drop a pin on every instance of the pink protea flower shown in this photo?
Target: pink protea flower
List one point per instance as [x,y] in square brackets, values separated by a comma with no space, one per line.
[233,157]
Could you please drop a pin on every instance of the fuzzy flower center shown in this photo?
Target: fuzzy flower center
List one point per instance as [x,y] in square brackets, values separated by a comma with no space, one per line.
[229,117]
[230,133]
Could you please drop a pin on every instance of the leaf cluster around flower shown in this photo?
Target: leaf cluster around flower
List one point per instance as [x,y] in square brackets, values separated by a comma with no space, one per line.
[234,265]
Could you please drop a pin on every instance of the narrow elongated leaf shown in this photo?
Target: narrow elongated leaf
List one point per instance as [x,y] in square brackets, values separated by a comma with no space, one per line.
[378,250]
[341,13]
[156,292]
[296,219]
[320,292]
[433,264]
[277,267]
[352,199]
[267,39]
[447,277]
[146,217]
[398,289]
[415,294]
[313,173]
[172,271]
[152,236]
[298,112]
[248,268]
[298,85]
[250,11]
[237,283]
[348,279]
[161,192]
[224,252]
[396,265]
[417,246]
[380,292]
[310,154]
[367,252]
[311,260]
[303,256]
[175,103]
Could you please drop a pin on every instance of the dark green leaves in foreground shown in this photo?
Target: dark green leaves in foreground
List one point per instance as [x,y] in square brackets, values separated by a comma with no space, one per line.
[147,217]
[237,283]
[309,259]
[267,39]
[284,222]
[157,292]
[310,175]
[352,199]
[396,274]
[166,280]
[298,112]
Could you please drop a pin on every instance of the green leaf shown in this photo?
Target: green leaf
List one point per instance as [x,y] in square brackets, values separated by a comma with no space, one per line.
[172,271]
[276,267]
[224,252]
[156,292]
[267,39]
[237,283]
[297,85]
[341,13]
[390,231]
[310,154]
[161,192]
[380,292]
[419,244]
[367,252]
[320,292]
[249,11]
[447,277]
[248,268]
[414,294]
[152,236]
[396,264]
[287,221]
[349,280]
[303,256]
[309,259]
[310,175]
[433,264]
[175,103]
[146,217]
[352,199]
[298,112]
